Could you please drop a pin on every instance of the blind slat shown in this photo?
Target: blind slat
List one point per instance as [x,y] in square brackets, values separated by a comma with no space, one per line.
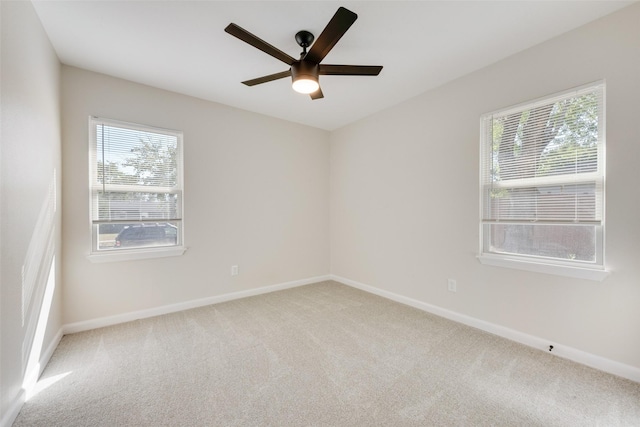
[135,173]
[543,162]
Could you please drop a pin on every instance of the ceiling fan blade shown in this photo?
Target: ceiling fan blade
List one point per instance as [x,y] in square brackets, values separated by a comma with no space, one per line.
[317,94]
[349,70]
[258,43]
[269,78]
[335,29]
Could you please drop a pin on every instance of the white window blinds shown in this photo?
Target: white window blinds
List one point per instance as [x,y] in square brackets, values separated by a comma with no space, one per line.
[136,181]
[542,178]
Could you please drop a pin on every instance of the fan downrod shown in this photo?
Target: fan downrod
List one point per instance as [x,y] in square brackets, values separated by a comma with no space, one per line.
[304,39]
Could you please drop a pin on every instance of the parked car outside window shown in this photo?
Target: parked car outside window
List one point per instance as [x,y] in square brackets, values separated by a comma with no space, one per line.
[142,235]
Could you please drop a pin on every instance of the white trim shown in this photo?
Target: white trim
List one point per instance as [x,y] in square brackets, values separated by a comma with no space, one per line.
[607,365]
[548,99]
[556,269]
[530,262]
[31,378]
[101,322]
[94,122]
[16,406]
[135,126]
[14,410]
[135,254]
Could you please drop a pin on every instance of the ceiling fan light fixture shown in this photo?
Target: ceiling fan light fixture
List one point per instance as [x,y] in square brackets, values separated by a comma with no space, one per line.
[305,85]
[304,72]
[305,77]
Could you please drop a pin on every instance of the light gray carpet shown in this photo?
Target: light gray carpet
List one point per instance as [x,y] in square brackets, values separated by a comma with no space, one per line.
[321,355]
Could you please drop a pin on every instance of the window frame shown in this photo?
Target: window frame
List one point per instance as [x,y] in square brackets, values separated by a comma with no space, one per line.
[134,253]
[569,268]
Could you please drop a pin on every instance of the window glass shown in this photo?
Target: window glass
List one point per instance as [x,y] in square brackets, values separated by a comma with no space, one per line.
[136,186]
[542,174]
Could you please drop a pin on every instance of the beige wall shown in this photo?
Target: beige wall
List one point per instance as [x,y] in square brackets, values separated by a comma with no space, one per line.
[405,204]
[390,201]
[256,191]
[30,195]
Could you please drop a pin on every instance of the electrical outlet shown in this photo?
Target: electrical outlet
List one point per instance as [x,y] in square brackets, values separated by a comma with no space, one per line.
[452,285]
[234,270]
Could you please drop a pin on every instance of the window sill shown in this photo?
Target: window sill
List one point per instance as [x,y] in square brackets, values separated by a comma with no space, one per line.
[595,274]
[136,254]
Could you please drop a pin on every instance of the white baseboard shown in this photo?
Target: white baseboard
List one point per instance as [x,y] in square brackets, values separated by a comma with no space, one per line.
[29,380]
[13,411]
[86,325]
[607,365]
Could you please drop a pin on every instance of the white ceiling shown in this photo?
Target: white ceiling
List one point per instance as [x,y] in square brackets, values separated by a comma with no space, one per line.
[181,46]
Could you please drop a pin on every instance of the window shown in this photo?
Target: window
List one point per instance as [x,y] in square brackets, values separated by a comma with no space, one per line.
[542,185]
[136,190]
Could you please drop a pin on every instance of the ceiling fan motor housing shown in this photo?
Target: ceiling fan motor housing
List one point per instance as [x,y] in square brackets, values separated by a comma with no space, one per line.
[304,70]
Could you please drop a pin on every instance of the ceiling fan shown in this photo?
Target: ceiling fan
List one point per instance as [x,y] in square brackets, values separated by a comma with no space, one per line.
[305,71]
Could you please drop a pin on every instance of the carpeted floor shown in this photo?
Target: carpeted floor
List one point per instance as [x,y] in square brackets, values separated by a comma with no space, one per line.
[321,355]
